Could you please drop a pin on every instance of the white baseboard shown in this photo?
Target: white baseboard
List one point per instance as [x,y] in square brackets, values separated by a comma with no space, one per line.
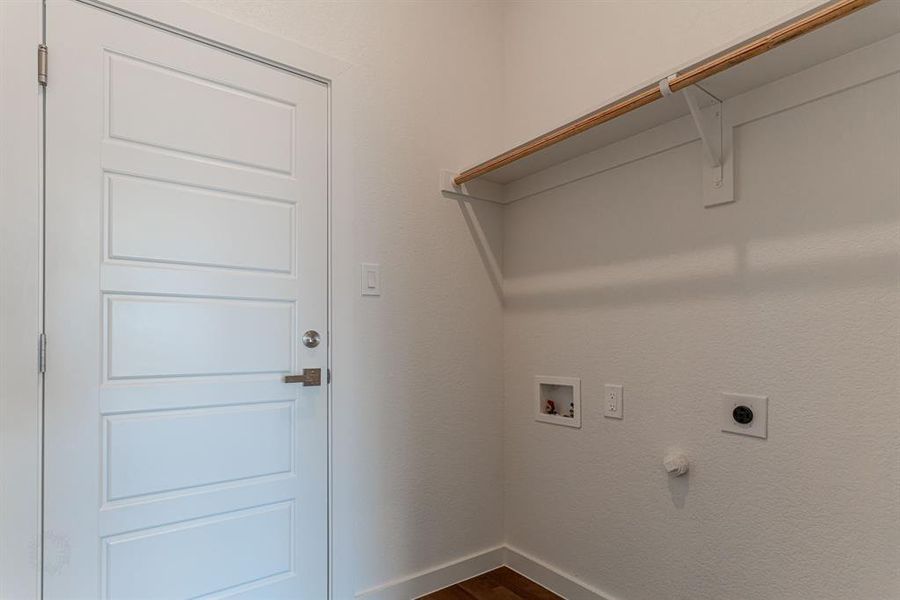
[450,573]
[437,578]
[552,578]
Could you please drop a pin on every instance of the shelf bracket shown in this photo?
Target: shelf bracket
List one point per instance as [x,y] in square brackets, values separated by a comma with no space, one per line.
[708,114]
[709,124]
[463,194]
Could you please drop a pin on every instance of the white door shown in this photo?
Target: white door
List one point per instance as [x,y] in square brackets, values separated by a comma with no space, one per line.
[186,202]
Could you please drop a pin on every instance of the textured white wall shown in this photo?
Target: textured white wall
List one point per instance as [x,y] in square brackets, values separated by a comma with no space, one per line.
[792,292]
[418,448]
[423,446]
[563,59]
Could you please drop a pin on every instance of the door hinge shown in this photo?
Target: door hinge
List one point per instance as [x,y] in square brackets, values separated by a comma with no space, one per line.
[327,375]
[42,65]
[42,353]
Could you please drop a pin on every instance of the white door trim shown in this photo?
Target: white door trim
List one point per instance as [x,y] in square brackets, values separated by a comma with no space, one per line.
[21,227]
[202,25]
[21,211]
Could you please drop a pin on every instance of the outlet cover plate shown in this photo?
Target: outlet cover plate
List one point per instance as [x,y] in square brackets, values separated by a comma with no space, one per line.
[613,399]
[758,427]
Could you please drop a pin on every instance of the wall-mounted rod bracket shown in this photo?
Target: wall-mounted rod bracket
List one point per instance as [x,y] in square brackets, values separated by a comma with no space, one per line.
[474,190]
[708,122]
[478,190]
[708,114]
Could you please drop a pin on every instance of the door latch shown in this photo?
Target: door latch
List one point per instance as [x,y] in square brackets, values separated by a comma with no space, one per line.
[311,377]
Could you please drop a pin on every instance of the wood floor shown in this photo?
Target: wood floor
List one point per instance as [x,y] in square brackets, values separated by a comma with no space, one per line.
[499,584]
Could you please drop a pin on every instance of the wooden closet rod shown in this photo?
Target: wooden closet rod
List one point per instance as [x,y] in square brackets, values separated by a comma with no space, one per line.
[695,74]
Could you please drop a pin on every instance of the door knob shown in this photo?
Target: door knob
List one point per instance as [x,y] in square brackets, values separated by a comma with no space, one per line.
[311,338]
[308,377]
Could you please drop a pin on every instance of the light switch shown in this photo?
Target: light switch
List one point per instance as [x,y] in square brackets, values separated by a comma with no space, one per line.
[612,401]
[371,280]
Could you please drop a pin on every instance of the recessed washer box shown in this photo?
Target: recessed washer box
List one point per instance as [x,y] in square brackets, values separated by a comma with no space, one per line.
[557,400]
[745,414]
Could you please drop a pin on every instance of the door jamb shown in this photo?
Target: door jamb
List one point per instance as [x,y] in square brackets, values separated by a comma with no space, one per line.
[21,292]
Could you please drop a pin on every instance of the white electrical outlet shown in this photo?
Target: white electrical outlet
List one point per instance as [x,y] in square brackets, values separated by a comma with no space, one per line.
[745,414]
[612,401]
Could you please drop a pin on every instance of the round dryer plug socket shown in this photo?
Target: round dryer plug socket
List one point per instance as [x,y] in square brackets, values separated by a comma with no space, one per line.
[742,414]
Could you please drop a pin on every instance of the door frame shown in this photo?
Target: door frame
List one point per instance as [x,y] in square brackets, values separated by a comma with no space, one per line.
[21,247]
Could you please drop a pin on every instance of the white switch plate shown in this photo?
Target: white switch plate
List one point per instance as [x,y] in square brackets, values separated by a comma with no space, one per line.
[370,283]
[758,427]
[612,401]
